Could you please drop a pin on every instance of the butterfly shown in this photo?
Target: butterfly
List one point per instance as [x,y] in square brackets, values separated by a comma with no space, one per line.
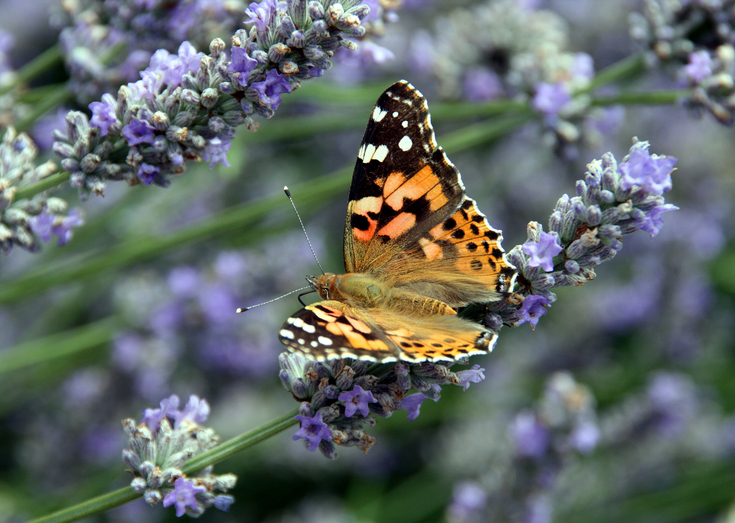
[416,249]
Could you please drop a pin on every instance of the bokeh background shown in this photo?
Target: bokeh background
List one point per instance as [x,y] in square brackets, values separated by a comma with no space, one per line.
[140,305]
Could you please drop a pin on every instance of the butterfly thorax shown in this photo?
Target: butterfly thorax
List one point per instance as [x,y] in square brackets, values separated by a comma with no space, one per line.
[367,291]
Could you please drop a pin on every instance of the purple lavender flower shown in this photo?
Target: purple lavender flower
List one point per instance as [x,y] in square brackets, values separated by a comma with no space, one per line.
[532,439]
[147,173]
[153,417]
[652,222]
[63,230]
[270,89]
[699,67]
[542,252]
[412,404]
[473,375]
[196,410]
[183,495]
[42,225]
[584,66]
[217,148]
[103,113]
[242,64]
[585,437]
[137,132]
[357,400]
[550,98]
[184,281]
[261,13]
[533,308]
[652,174]
[314,430]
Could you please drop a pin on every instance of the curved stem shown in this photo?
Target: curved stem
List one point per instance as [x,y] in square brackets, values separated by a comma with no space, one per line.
[34,68]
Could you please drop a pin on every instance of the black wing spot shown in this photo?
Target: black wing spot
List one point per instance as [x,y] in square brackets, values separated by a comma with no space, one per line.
[418,345]
[476,264]
[466,204]
[471,246]
[458,234]
[486,246]
[497,253]
[493,235]
[405,344]
[449,340]
[449,224]
[359,222]
[464,214]
[474,229]
[492,263]
[436,345]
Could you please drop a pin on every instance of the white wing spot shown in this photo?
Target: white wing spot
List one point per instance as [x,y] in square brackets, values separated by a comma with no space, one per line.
[298,323]
[309,328]
[314,344]
[378,114]
[380,153]
[286,333]
[395,113]
[368,150]
[404,124]
[324,340]
[300,341]
[405,143]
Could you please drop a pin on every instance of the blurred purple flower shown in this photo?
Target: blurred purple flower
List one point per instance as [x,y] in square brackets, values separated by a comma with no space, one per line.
[103,113]
[229,265]
[183,495]
[473,375]
[542,252]
[699,67]
[42,224]
[532,439]
[270,89]
[45,126]
[538,510]
[147,173]
[673,398]
[357,400]
[550,98]
[184,282]
[314,430]
[649,173]
[481,84]
[218,303]
[584,437]
[468,500]
[584,66]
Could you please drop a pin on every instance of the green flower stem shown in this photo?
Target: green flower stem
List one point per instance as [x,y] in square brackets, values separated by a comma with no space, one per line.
[240,443]
[33,68]
[57,345]
[44,185]
[120,497]
[239,218]
[625,69]
[54,99]
[643,98]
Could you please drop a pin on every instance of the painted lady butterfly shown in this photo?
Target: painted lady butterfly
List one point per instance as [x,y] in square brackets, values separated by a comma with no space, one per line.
[415,248]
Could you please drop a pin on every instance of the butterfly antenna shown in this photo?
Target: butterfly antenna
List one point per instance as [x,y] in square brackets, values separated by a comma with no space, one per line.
[243,309]
[288,193]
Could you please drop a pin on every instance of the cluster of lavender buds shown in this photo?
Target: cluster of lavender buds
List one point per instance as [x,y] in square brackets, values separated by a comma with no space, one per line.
[562,424]
[612,200]
[338,399]
[478,56]
[23,222]
[105,44]
[186,106]
[157,452]
[695,40]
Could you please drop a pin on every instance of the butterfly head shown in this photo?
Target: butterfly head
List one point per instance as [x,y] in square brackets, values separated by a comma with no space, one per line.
[323,285]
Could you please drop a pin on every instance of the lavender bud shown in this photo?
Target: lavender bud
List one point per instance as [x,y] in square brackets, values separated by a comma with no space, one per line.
[298,388]
[297,40]
[571,266]
[226,88]
[306,409]
[299,11]
[316,10]
[609,232]
[319,27]
[152,497]
[576,249]
[209,97]
[544,282]
[287,26]
[277,51]
[594,215]
[360,10]
[138,485]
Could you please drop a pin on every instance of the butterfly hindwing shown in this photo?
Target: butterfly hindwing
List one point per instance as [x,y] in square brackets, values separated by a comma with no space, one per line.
[331,330]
